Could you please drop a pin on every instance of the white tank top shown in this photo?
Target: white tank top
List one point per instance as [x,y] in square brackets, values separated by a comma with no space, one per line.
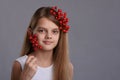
[41,73]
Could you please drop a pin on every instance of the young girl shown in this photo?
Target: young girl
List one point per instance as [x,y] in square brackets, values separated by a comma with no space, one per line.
[44,55]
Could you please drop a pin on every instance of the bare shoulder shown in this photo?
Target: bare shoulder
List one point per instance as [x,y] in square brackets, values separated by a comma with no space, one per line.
[16,70]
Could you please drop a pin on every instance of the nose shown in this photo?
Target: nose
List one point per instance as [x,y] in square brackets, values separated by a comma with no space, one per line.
[48,36]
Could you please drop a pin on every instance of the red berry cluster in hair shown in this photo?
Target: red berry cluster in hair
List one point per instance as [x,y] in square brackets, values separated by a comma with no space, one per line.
[34,40]
[61,17]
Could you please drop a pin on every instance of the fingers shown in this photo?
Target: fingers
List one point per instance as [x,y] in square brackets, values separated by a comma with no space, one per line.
[30,67]
[31,62]
[29,59]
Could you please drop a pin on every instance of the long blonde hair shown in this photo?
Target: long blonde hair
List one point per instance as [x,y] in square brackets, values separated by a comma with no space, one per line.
[61,69]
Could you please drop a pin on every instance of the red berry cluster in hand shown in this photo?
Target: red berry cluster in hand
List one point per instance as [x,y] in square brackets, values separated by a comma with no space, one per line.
[61,17]
[34,40]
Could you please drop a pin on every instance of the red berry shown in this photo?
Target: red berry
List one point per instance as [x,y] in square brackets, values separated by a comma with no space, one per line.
[54,13]
[64,14]
[67,27]
[67,19]
[30,37]
[60,22]
[59,10]
[64,30]
[40,47]
[35,48]
[36,44]
[56,17]
[60,28]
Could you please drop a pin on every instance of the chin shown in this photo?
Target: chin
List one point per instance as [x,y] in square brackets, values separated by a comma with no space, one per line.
[49,48]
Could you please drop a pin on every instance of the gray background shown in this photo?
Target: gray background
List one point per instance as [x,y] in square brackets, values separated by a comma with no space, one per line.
[94,37]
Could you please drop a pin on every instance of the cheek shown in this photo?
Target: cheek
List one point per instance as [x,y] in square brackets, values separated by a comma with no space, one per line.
[56,38]
[40,37]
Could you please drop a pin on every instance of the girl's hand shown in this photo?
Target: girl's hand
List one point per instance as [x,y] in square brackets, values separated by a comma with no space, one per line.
[29,69]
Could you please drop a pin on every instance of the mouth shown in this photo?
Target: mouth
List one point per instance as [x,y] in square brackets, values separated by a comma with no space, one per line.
[47,42]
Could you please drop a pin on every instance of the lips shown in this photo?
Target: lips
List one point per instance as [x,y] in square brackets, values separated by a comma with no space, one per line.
[47,42]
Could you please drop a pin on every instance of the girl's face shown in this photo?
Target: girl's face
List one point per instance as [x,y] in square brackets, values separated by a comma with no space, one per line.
[48,33]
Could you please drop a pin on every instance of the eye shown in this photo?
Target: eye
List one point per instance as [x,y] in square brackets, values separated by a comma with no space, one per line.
[41,30]
[55,31]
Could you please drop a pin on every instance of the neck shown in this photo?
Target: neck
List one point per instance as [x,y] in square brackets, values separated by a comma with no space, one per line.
[44,58]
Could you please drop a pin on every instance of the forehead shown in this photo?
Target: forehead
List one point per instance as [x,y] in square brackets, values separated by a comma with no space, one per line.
[46,23]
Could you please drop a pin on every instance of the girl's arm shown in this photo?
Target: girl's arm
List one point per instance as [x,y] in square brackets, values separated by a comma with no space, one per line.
[28,72]
[16,71]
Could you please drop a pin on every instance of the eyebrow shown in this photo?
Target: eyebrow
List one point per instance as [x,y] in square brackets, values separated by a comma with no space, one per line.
[46,28]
